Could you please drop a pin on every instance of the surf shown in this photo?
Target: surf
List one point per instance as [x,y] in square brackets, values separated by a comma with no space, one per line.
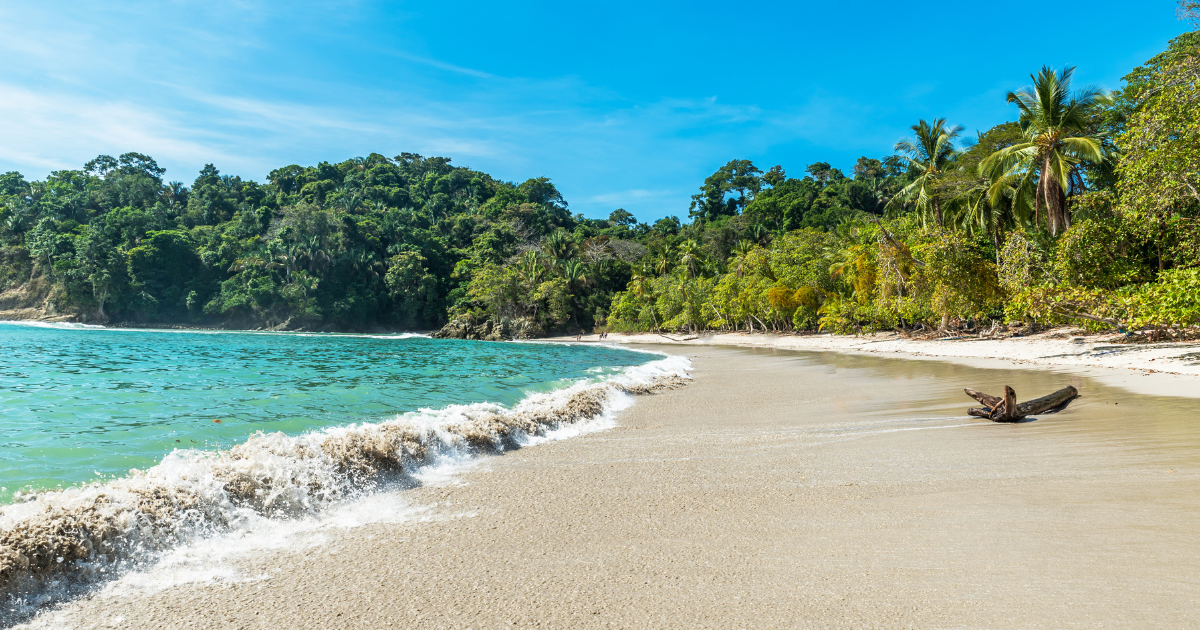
[58,544]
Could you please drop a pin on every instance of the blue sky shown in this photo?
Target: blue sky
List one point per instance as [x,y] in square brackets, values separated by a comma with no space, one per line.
[622,104]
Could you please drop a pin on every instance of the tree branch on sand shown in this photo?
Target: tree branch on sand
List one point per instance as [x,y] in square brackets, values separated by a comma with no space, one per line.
[1006,409]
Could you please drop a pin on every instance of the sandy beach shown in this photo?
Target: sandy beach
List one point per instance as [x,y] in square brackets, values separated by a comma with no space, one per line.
[779,489]
[1174,367]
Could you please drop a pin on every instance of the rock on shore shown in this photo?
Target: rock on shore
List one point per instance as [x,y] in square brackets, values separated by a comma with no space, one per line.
[466,329]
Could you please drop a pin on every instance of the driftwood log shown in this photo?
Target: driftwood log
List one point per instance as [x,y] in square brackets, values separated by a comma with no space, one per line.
[674,339]
[1006,409]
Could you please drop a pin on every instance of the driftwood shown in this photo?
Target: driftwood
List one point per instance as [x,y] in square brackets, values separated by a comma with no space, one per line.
[1006,409]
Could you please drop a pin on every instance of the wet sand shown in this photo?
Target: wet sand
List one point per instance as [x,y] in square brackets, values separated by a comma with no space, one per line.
[794,490]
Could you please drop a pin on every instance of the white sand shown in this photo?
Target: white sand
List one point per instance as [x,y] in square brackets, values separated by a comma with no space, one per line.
[1171,369]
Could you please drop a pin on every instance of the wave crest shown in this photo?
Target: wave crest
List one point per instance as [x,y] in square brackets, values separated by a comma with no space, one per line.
[77,536]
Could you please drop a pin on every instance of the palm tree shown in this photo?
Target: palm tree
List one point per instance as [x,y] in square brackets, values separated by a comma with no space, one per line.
[1057,141]
[575,272]
[638,286]
[663,259]
[738,259]
[558,245]
[351,199]
[287,253]
[759,234]
[305,282]
[690,256]
[17,223]
[314,252]
[931,152]
[364,261]
[532,267]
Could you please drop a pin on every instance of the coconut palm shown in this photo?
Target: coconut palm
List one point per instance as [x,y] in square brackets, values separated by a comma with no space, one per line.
[313,250]
[1057,141]
[532,267]
[558,245]
[640,286]
[576,273]
[738,260]
[288,254]
[759,234]
[930,152]
[691,256]
[18,223]
[664,258]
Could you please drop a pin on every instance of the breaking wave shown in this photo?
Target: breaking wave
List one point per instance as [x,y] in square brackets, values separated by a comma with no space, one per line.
[58,544]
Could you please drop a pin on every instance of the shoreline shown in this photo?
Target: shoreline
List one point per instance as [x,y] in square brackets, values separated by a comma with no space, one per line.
[5,318]
[1163,369]
[758,496]
[39,316]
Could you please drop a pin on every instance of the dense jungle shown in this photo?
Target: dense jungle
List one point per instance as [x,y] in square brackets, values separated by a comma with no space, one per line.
[1084,209]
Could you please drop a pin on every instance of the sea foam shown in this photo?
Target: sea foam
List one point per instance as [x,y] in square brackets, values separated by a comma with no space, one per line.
[57,544]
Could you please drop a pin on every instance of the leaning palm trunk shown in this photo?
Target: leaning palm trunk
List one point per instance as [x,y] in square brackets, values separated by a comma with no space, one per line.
[1058,217]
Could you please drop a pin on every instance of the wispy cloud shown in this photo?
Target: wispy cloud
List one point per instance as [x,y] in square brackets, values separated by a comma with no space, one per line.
[54,130]
[440,65]
[192,83]
[635,194]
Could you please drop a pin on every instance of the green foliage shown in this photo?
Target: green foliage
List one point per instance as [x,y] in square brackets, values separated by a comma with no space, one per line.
[162,271]
[1023,262]
[365,242]
[959,280]
[1172,301]
[1096,254]
[414,291]
[414,241]
[1159,174]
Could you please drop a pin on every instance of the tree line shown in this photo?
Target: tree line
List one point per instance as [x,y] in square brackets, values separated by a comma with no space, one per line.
[1083,210]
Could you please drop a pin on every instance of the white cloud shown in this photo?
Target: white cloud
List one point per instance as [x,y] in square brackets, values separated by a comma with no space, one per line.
[55,130]
[636,194]
[181,81]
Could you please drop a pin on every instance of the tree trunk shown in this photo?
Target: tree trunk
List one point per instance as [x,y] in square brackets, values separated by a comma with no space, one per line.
[1007,410]
[937,209]
[1058,218]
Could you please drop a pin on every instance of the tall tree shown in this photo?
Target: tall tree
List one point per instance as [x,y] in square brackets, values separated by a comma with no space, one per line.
[930,153]
[1058,138]
[737,176]
[1160,170]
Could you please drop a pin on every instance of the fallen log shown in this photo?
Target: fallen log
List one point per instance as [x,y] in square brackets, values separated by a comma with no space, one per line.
[693,338]
[1006,409]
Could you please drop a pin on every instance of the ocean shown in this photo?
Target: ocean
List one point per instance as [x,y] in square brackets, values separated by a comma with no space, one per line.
[119,447]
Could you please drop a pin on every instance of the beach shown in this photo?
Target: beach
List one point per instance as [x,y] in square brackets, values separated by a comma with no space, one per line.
[1173,367]
[779,489]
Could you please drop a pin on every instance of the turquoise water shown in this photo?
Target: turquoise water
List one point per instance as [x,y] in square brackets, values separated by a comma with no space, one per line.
[81,403]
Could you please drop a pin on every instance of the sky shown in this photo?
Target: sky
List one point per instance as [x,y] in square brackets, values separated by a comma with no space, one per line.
[621,104]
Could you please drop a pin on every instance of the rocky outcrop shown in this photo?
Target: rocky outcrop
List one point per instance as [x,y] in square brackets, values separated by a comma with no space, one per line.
[38,299]
[465,329]
[489,330]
